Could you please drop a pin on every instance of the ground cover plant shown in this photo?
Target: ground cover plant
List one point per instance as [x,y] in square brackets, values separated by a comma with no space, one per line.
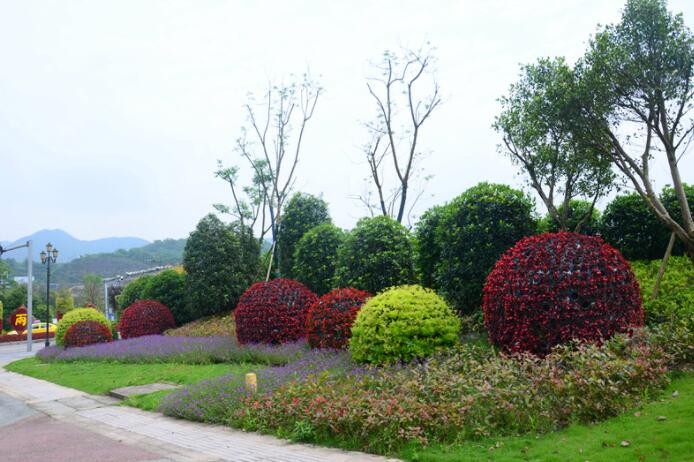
[185,350]
[555,287]
[467,394]
[212,326]
[659,430]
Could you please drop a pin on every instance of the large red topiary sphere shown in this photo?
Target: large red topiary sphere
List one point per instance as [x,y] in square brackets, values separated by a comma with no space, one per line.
[84,333]
[329,320]
[552,288]
[273,312]
[145,317]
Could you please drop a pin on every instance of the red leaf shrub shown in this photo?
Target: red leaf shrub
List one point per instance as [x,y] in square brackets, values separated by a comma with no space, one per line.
[84,333]
[145,317]
[329,320]
[273,312]
[552,288]
[7,338]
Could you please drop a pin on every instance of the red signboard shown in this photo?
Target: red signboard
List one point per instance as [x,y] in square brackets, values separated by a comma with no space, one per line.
[19,319]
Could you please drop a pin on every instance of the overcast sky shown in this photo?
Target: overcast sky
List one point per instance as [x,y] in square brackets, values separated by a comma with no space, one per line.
[113,113]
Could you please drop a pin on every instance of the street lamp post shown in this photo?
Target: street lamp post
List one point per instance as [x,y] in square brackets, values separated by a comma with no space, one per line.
[48,256]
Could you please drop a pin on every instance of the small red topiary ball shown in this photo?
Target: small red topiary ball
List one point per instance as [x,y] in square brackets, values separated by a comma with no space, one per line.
[145,317]
[84,333]
[329,320]
[552,288]
[273,312]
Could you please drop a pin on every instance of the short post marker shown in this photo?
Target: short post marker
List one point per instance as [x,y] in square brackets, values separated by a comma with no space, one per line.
[251,383]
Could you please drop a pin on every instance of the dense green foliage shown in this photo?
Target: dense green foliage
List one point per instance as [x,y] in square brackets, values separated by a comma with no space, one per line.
[629,226]
[376,254]
[577,210]
[76,315]
[540,125]
[675,301]
[303,212]
[169,288]
[220,264]
[401,324]
[427,245]
[132,292]
[476,228]
[315,257]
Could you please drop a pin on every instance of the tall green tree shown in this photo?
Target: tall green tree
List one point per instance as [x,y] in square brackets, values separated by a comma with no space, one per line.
[540,132]
[303,212]
[638,84]
[218,268]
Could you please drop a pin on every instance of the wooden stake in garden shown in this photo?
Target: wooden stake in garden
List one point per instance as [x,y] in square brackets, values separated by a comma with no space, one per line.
[251,383]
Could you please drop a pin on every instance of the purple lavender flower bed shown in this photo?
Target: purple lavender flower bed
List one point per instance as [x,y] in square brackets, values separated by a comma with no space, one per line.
[190,350]
[216,399]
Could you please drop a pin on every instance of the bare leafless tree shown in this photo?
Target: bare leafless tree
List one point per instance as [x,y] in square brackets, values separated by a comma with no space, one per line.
[406,93]
[273,154]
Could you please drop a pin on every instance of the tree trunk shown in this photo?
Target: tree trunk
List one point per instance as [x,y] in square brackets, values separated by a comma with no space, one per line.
[663,266]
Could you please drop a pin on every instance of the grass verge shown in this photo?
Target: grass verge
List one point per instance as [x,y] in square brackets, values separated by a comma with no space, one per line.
[101,377]
[642,435]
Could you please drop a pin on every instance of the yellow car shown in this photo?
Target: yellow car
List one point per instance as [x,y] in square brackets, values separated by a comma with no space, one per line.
[36,328]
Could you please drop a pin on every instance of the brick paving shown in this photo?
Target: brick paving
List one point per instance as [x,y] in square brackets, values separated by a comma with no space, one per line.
[157,437]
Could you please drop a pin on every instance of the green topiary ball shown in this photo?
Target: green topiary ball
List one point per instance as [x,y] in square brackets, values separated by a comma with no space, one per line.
[76,315]
[401,324]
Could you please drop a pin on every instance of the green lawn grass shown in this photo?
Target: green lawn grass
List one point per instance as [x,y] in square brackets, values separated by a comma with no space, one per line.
[649,439]
[101,377]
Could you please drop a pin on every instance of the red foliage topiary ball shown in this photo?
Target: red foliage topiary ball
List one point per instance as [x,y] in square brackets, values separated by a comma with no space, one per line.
[145,317]
[273,312]
[84,333]
[552,288]
[329,320]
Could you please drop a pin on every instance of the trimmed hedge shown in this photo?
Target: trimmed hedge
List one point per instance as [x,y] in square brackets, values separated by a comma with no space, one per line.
[273,312]
[553,288]
[377,254]
[75,316]
[84,333]
[329,320]
[145,317]
[401,324]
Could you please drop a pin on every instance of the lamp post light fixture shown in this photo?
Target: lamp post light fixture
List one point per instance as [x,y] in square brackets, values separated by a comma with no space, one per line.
[48,256]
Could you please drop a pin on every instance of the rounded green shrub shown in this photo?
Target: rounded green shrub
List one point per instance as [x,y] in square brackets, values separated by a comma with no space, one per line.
[476,228]
[401,324]
[77,315]
[376,254]
[315,257]
[169,289]
[427,246]
[132,292]
[628,225]
[302,213]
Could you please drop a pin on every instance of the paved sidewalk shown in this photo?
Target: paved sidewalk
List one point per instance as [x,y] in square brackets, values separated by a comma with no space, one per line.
[155,434]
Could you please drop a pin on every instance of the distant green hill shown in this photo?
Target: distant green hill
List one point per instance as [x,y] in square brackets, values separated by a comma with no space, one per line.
[164,252]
